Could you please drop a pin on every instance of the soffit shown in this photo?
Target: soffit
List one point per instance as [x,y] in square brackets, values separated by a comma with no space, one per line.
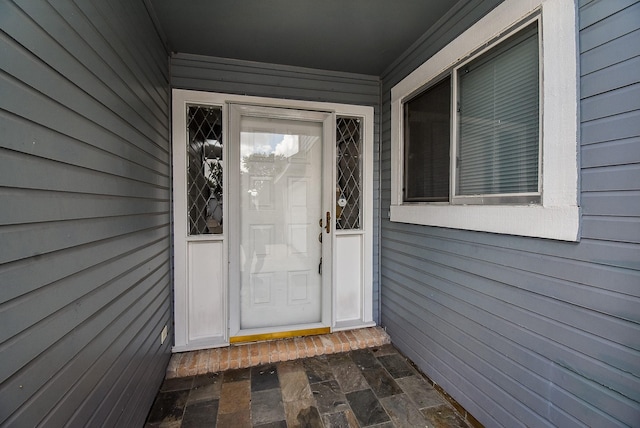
[357,36]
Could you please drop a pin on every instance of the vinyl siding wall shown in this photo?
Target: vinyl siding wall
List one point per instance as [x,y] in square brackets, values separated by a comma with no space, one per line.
[85,250]
[533,332]
[210,74]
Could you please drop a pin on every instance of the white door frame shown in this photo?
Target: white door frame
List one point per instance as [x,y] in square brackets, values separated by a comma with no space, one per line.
[202,300]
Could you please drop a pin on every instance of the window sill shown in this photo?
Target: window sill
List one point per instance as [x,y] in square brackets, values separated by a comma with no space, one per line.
[560,223]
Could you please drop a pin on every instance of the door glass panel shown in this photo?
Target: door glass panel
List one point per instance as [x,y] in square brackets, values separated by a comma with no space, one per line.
[348,170]
[204,169]
[280,205]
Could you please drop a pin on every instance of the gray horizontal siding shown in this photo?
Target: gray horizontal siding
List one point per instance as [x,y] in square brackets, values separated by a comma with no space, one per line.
[231,76]
[84,213]
[610,121]
[532,332]
[270,80]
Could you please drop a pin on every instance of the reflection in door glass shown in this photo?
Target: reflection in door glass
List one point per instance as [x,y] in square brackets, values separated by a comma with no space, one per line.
[204,169]
[348,180]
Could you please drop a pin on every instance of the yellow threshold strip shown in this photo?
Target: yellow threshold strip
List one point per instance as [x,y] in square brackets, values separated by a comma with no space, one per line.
[279,335]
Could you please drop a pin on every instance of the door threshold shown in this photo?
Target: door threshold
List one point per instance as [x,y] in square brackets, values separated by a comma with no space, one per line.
[279,335]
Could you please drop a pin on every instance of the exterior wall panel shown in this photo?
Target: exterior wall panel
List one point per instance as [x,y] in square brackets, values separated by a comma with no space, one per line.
[85,260]
[210,74]
[533,332]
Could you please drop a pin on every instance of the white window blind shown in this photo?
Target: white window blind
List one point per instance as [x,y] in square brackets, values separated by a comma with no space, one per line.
[498,119]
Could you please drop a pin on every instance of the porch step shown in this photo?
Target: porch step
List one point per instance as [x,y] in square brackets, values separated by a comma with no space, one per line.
[252,354]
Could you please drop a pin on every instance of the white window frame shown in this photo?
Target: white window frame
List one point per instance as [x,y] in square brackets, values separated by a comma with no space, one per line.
[557,216]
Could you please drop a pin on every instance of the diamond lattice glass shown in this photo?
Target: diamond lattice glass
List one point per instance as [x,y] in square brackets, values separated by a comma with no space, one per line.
[204,169]
[348,191]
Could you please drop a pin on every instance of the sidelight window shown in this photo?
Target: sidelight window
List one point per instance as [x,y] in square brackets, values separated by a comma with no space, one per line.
[348,170]
[204,169]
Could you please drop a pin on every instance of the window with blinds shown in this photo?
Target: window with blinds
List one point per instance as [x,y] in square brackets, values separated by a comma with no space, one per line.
[513,139]
[492,131]
[498,120]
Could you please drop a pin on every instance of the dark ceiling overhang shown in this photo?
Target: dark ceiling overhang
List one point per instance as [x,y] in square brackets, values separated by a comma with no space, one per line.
[357,36]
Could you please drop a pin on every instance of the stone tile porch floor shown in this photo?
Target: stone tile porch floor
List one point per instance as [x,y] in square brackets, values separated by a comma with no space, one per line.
[345,379]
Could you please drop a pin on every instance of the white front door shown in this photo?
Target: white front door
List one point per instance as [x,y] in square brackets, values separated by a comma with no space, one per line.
[282,164]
